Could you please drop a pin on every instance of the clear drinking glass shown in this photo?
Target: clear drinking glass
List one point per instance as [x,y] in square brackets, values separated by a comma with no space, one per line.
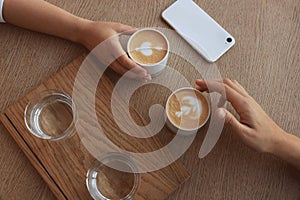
[50,115]
[106,183]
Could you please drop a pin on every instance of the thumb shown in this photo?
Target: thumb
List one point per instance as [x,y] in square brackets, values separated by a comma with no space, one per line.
[230,120]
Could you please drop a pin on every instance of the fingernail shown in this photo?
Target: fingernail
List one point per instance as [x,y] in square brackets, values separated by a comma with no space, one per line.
[148,77]
[221,114]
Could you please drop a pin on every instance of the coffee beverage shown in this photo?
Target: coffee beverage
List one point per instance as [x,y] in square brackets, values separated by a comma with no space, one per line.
[148,46]
[187,109]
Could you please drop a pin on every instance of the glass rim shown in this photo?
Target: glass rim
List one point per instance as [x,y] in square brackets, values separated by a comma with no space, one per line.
[103,160]
[32,102]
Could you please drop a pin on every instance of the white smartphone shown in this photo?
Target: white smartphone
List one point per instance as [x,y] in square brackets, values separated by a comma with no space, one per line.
[201,31]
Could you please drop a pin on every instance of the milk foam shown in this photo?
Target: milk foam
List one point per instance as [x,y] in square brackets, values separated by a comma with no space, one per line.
[193,108]
[146,48]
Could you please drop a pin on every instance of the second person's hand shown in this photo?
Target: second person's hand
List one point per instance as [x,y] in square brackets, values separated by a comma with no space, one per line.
[255,128]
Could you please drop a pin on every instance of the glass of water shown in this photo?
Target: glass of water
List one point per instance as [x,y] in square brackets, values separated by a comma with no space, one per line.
[113,177]
[50,115]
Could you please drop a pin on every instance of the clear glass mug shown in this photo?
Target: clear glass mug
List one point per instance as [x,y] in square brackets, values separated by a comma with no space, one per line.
[50,115]
[109,183]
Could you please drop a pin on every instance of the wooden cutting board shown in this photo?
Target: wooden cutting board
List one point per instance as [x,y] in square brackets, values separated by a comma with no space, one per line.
[63,164]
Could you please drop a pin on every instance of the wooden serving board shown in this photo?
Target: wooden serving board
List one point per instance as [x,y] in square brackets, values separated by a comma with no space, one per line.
[63,164]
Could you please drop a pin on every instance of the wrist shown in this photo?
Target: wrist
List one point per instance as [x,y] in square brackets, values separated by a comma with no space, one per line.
[279,142]
[80,30]
[288,149]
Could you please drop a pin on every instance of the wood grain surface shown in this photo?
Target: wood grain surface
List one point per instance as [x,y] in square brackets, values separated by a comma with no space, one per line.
[265,60]
[63,164]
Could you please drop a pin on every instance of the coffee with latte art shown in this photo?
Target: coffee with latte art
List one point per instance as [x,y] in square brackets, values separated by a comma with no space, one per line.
[148,47]
[188,109]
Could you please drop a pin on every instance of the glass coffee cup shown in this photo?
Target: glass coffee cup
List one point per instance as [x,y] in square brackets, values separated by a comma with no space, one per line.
[113,177]
[50,115]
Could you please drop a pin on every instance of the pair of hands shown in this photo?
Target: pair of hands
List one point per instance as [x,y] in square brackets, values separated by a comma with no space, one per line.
[255,128]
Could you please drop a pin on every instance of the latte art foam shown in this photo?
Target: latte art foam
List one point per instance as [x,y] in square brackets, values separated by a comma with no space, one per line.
[187,109]
[192,107]
[148,47]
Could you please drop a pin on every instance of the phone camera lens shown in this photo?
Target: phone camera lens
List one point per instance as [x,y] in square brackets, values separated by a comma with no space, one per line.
[229,40]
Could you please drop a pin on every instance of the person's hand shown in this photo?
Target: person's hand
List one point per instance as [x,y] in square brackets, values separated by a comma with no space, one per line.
[111,52]
[44,17]
[255,128]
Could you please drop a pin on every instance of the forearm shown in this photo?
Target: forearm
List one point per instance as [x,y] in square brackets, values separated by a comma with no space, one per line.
[41,16]
[288,149]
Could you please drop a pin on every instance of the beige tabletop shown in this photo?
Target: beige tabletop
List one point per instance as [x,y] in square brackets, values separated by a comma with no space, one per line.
[265,60]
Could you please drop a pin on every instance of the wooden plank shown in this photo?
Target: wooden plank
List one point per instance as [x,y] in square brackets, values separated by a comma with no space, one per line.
[67,161]
[32,157]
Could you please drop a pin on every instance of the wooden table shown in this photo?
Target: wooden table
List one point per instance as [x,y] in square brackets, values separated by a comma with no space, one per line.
[264,59]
